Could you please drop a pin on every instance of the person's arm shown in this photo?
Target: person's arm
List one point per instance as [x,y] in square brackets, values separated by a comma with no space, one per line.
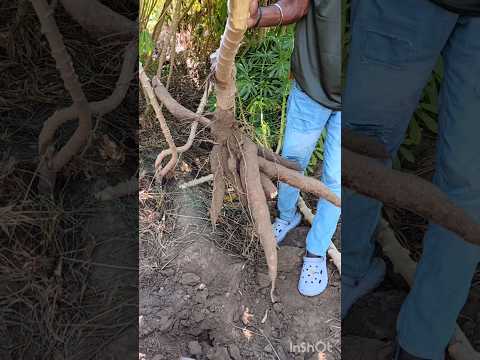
[293,10]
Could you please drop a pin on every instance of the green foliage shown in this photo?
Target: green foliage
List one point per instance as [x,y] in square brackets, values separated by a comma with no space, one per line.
[424,120]
[145,45]
[263,84]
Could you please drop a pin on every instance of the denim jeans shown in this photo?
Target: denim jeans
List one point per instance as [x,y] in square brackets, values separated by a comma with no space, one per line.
[395,46]
[306,120]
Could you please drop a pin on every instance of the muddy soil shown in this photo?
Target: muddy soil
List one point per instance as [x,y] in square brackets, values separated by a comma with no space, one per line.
[199,304]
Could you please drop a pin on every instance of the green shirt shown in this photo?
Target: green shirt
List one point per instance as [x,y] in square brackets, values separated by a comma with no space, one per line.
[316,58]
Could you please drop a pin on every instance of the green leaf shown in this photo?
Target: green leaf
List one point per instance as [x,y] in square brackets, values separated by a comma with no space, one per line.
[407,154]
[428,121]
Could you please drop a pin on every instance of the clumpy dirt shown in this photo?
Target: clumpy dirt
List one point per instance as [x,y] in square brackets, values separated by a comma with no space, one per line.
[199,304]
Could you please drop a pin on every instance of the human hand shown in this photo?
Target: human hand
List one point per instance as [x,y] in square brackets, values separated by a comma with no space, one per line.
[252,20]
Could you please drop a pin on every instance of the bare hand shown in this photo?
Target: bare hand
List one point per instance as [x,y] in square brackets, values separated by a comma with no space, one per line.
[252,20]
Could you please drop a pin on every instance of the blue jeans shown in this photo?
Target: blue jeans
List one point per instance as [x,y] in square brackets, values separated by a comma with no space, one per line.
[306,120]
[395,46]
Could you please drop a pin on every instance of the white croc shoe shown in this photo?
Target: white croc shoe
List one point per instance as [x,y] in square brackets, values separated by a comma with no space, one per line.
[282,227]
[314,277]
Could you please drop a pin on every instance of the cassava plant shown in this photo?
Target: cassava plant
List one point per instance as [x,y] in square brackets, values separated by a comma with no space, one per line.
[235,158]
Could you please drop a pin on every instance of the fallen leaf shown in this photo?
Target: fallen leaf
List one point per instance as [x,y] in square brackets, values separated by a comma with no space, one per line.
[110,151]
[184,167]
[247,333]
[247,317]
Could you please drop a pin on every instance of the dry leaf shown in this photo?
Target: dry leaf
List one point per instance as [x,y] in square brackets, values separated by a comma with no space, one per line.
[184,167]
[247,317]
[110,151]
[247,333]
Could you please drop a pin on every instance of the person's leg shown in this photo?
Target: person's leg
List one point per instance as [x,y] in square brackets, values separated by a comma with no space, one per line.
[327,215]
[444,273]
[395,45]
[305,121]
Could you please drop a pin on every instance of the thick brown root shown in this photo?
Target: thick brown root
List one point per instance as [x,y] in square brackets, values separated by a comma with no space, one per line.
[269,188]
[193,130]
[98,108]
[72,84]
[99,19]
[177,110]
[295,179]
[275,158]
[147,88]
[407,191]
[259,209]
[219,186]
[363,145]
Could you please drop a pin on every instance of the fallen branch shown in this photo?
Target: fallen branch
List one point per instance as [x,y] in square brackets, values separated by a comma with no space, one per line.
[332,251]
[459,347]
[196,182]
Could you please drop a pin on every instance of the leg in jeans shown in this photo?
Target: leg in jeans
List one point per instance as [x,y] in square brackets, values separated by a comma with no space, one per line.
[395,45]
[326,218]
[443,277]
[305,121]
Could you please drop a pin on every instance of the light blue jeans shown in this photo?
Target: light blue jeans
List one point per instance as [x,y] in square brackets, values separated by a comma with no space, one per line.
[395,46]
[306,120]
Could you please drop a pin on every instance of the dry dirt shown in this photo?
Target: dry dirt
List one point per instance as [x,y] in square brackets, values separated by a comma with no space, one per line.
[193,306]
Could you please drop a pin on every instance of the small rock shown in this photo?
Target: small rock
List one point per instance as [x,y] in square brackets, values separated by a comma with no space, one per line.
[190,279]
[202,286]
[194,348]
[197,316]
[220,353]
[263,279]
[289,258]
[168,272]
[201,297]
[234,352]
[183,314]
[278,307]
[166,321]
